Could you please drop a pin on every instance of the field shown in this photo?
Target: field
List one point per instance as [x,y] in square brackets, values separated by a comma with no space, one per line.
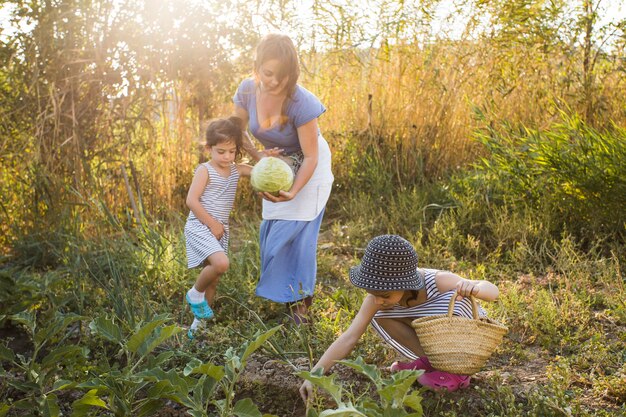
[499,155]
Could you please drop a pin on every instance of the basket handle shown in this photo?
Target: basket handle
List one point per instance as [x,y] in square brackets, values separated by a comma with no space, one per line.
[453,300]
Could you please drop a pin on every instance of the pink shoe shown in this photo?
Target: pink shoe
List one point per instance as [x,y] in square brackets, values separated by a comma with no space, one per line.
[419,363]
[439,380]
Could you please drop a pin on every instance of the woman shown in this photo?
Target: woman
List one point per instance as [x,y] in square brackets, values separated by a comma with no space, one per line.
[282,115]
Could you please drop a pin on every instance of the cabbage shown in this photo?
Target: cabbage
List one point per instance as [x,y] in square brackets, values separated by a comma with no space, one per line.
[271,175]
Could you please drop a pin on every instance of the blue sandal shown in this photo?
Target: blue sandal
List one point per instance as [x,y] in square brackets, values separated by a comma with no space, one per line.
[200,310]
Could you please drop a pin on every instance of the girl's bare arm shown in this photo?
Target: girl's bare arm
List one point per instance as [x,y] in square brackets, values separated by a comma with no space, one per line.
[344,344]
[481,289]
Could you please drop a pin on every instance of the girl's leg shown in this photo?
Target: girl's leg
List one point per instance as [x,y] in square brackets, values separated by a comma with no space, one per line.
[204,288]
[401,332]
[216,265]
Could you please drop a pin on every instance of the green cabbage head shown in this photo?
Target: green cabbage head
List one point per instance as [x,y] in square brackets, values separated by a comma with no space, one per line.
[271,175]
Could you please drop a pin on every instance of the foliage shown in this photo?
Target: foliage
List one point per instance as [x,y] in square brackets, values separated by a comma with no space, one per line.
[226,377]
[121,381]
[571,171]
[396,393]
[37,376]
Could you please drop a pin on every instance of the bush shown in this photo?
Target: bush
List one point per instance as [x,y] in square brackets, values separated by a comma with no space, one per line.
[572,175]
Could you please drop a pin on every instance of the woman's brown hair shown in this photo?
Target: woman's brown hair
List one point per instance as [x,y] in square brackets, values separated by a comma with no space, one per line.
[281,48]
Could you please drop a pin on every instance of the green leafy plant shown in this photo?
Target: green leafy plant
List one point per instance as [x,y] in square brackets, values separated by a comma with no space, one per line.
[200,383]
[395,393]
[119,383]
[36,376]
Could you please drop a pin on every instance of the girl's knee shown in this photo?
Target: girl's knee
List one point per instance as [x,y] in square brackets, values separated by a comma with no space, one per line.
[221,265]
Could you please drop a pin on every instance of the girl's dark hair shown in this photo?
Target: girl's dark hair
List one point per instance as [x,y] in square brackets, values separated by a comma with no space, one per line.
[226,130]
[281,48]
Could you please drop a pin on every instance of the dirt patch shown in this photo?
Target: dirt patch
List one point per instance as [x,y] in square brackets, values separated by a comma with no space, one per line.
[272,385]
[16,338]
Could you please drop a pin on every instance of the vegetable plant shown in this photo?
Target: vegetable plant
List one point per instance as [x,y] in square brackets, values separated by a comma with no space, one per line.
[396,393]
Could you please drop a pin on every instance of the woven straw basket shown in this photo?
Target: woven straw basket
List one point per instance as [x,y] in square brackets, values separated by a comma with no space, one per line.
[458,345]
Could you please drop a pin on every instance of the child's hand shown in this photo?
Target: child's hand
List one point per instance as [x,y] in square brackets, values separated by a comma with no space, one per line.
[465,288]
[217,230]
[306,391]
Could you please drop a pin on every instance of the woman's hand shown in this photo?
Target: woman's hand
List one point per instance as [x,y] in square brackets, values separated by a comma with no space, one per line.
[282,196]
[306,391]
[466,288]
[275,151]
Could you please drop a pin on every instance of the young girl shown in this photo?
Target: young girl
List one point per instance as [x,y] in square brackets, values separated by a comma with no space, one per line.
[398,293]
[210,200]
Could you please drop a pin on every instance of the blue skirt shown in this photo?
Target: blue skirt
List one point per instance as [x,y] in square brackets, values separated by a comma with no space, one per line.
[288,259]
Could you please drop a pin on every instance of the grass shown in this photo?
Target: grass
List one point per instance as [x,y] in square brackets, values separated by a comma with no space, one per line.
[561,296]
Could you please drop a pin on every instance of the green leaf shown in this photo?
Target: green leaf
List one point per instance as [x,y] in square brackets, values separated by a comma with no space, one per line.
[371,407]
[395,392]
[414,401]
[4,409]
[61,354]
[25,404]
[395,412]
[82,406]
[342,411]
[148,408]
[154,362]
[62,384]
[93,383]
[311,412]
[370,371]
[50,406]
[6,354]
[325,382]
[25,318]
[214,371]
[142,336]
[161,334]
[191,365]
[58,324]
[164,389]
[24,386]
[258,342]
[246,408]
[170,377]
[106,328]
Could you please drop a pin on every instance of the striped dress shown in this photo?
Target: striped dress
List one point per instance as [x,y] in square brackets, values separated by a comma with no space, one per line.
[217,199]
[436,303]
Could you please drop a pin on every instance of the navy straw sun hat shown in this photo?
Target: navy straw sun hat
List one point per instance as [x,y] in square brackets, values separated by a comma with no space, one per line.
[389,264]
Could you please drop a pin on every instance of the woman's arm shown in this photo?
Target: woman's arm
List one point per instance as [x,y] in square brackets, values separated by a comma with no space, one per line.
[481,289]
[198,184]
[344,344]
[307,135]
[248,143]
